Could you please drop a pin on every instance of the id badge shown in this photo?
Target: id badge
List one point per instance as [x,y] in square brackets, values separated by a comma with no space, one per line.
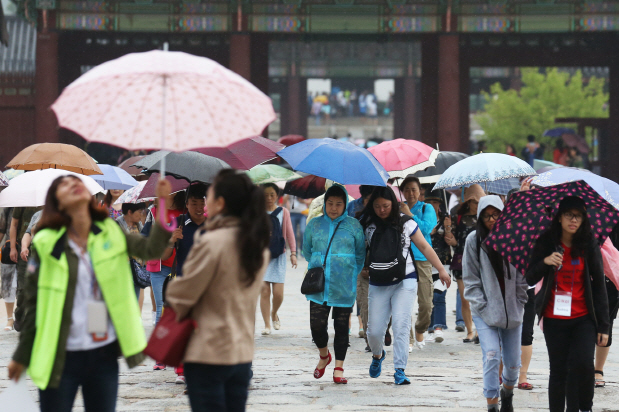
[563,304]
[97,319]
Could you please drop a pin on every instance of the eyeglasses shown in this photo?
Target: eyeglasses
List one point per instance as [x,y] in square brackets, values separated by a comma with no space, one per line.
[494,216]
[571,216]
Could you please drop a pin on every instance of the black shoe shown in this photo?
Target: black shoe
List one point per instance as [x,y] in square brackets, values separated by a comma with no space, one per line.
[476,340]
[387,338]
[506,401]
[367,348]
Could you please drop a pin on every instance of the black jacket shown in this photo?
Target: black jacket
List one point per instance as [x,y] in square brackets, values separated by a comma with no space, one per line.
[595,287]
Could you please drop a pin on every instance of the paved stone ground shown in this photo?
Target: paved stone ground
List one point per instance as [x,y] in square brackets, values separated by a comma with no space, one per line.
[444,376]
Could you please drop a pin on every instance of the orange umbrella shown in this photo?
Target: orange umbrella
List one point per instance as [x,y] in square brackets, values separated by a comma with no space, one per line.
[55,156]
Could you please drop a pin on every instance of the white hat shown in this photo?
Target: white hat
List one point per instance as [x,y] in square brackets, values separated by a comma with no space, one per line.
[489,200]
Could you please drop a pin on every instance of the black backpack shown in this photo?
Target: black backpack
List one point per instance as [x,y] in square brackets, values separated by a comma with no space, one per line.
[278,243]
[387,263]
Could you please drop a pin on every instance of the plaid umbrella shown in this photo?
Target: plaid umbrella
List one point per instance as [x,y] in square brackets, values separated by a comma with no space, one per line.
[528,214]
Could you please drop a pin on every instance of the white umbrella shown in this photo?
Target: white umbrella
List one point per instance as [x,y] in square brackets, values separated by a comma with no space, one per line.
[132,195]
[30,189]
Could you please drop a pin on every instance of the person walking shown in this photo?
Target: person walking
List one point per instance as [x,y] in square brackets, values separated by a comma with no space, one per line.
[8,278]
[219,289]
[281,233]
[79,286]
[393,279]
[573,302]
[497,294]
[465,220]
[425,217]
[336,242]
[298,217]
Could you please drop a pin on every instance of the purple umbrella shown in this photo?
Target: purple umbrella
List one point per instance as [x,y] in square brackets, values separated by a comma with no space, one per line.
[246,153]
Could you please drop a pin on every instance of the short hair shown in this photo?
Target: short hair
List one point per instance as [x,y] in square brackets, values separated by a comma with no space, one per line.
[272,186]
[132,207]
[197,191]
[366,190]
[336,191]
[410,179]
[531,138]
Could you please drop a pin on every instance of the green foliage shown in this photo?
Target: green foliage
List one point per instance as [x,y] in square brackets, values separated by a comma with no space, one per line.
[511,116]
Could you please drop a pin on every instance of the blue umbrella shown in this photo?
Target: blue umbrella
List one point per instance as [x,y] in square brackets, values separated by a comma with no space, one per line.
[606,188]
[342,162]
[484,167]
[558,132]
[114,178]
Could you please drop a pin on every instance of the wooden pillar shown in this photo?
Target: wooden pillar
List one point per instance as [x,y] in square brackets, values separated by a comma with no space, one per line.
[405,109]
[449,93]
[46,87]
[429,90]
[240,55]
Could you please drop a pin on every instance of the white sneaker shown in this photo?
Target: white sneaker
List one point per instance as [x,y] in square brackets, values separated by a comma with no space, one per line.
[438,336]
[277,324]
[180,379]
[266,332]
[410,348]
[430,337]
[420,345]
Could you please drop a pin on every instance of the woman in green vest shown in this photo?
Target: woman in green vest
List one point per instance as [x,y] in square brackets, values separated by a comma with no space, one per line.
[81,312]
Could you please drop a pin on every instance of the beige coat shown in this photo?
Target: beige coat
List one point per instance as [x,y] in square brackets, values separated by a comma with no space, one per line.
[213,292]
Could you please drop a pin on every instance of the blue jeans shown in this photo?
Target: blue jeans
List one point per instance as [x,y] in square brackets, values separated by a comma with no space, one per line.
[395,302]
[217,387]
[439,315]
[96,371]
[496,344]
[156,282]
[300,220]
[459,319]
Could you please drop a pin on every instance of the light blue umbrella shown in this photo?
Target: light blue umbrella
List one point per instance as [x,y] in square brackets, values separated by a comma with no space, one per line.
[342,162]
[606,188]
[498,187]
[114,178]
[484,167]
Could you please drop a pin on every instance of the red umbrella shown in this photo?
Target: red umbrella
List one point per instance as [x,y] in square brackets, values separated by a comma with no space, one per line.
[151,184]
[306,187]
[401,157]
[291,139]
[245,153]
[128,167]
[573,140]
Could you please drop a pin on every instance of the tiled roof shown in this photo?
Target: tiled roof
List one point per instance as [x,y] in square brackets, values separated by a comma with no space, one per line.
[19,57]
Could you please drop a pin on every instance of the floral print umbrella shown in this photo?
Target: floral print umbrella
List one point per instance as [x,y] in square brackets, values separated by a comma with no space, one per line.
[528,214]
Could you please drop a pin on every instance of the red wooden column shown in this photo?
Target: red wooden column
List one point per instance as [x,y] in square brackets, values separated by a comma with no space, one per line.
[405,108]
[449,93]
[240,55]
[46,84]
[429,90]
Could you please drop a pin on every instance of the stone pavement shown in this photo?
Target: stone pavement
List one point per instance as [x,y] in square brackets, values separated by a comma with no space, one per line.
[445,376]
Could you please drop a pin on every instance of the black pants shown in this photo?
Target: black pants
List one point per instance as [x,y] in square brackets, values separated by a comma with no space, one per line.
[19,294]
[528,320]
[319,319]
[96,371]
[217,388]
[571,348]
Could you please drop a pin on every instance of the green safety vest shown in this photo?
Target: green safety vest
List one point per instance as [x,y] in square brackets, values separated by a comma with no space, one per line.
[108,253]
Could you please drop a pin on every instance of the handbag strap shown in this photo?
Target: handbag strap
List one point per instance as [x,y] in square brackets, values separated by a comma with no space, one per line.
[324,264]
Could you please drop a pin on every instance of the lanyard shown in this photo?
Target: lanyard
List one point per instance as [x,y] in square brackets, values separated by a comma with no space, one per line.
[573,276]
[94,285]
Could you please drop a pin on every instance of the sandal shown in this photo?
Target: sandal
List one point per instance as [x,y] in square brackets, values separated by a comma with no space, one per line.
[8,328]
[341,380]
[319,372]
[600,383]
[526,386]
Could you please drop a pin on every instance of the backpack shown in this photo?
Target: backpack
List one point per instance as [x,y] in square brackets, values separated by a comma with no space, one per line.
[387,262]
[278,243]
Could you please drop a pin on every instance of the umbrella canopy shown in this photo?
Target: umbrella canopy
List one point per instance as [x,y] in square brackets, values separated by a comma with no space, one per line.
[573,140]
[540,164]
[558,132]
[402,157]
[11,173]
[262,174]
[307,187]
[163,100]
[484,167]
[148,161]
[191,166]
[497,187]
[342,162]
[55,156]
[149,189]
[4,180]
[132,195]
[245,153]
[528,214]
[114,178]
[30,189]
[606,188]
[291,139]
[128,165]
[444,160]
[353,191]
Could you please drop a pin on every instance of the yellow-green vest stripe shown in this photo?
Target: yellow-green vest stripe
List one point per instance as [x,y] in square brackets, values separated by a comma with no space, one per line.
[108,252]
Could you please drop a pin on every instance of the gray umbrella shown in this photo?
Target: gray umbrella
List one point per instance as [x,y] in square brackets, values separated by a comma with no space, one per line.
[191,166]
[149,161]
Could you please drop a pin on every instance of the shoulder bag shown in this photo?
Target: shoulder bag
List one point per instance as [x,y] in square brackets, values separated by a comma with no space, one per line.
[314,281]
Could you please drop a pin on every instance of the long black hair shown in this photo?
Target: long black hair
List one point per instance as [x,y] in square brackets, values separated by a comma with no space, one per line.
[583,235]
[368,215]
[497,261]
[246,201]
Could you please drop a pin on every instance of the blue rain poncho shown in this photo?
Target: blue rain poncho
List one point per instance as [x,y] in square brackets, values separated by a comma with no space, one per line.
[345,260]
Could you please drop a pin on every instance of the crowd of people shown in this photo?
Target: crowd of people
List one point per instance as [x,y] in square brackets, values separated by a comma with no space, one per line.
[74,270]
[347,103]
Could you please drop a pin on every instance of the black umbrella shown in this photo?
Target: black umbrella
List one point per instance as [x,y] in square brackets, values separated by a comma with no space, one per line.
[307,187]
[443,161]
[191,166]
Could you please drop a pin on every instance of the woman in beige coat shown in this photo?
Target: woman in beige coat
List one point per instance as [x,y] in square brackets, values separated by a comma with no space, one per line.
[219,290]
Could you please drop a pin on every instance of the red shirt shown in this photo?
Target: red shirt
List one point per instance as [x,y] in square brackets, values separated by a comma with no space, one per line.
[572,267]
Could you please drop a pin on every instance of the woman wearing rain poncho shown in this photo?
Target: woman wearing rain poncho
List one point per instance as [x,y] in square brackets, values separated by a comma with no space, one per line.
[344,261]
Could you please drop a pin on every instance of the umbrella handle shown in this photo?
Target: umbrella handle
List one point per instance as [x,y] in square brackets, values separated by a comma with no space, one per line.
[162,218]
